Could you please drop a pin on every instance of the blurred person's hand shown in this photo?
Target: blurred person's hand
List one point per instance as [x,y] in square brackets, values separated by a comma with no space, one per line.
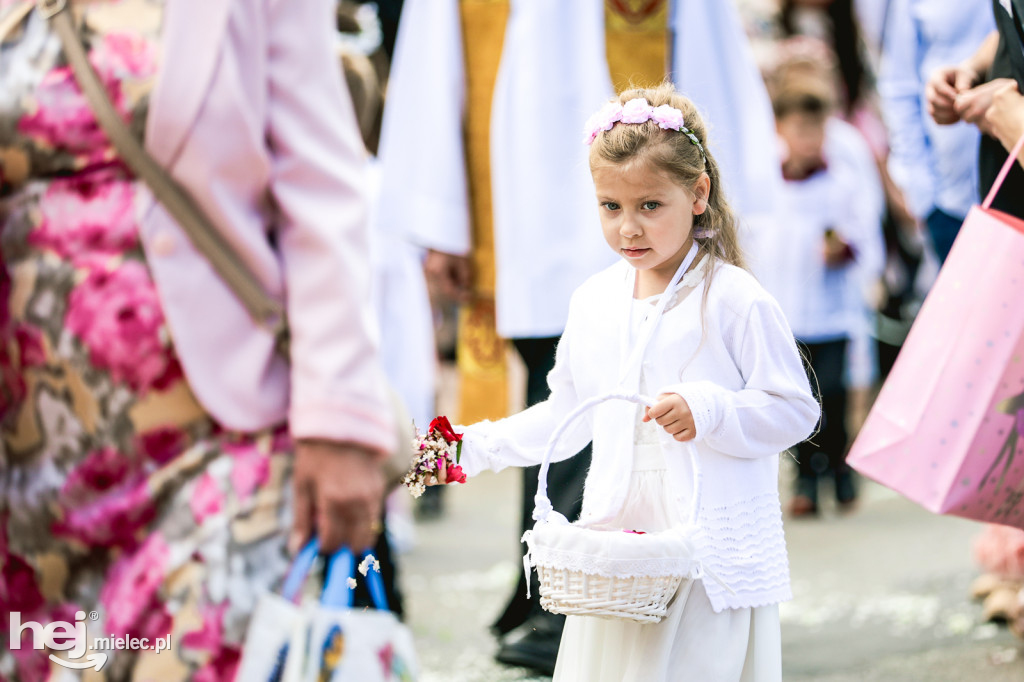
[896,200]
[972,104]
[1005,117]
[901,213]
[450,275]
[339,494]
[942,89]
[837,251]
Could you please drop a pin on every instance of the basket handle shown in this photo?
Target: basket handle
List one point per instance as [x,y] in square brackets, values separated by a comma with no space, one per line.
[542,505]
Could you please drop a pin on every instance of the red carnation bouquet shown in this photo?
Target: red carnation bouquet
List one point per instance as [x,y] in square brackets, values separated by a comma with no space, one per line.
[437,458]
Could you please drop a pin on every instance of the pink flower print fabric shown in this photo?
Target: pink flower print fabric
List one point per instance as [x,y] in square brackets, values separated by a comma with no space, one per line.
[131,589]
[207,499]
[122,496]
[83,218]
[122,56]
[116,518]
[251,470]
[116,313]
[60,116]
[63,120]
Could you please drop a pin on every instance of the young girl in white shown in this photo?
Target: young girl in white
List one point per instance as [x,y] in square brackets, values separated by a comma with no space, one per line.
[725,369]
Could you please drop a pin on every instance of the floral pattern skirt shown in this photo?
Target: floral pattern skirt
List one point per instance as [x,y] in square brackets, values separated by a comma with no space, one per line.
[124,506]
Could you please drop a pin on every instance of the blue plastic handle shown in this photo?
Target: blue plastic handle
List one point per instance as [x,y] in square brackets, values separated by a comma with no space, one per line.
[340,567]
[337,594]
[301,567]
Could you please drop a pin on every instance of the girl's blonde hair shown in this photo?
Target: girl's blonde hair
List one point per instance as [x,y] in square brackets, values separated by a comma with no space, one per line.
[675,154]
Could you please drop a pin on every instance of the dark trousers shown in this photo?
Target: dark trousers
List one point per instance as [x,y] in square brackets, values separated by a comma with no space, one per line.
[826,450]
[903,258]
[943,228]
[565,485]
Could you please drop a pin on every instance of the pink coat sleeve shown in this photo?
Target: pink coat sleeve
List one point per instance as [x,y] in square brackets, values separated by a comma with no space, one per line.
[318,167]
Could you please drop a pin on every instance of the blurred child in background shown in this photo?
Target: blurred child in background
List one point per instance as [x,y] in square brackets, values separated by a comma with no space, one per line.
[826,249]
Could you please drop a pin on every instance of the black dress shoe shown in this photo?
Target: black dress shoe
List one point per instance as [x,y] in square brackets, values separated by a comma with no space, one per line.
[846,490]
[532,645]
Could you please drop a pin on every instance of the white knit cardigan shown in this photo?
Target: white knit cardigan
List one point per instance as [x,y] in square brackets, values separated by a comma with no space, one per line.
[734,362]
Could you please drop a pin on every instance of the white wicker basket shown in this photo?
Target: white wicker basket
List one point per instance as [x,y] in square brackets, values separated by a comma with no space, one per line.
[605,571]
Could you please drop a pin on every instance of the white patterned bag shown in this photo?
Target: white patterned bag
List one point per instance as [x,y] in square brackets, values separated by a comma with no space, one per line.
[327,640]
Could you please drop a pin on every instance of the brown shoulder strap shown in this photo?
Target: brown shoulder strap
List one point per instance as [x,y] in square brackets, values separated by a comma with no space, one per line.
[265,311]
[15,16]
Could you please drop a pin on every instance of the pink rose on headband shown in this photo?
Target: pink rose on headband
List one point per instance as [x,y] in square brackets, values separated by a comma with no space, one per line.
[667,117]
[609,115]
[636,111]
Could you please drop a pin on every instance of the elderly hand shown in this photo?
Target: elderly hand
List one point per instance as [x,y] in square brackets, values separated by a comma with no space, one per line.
[339,493]
[972,104]
[673,414]
[450,275]
[942,89]
[1005,117]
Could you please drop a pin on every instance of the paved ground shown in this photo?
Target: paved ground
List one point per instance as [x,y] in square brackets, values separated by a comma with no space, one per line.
[879,595]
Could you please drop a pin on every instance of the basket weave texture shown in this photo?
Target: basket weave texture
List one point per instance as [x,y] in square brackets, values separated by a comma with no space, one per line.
[574,593]
[608,572]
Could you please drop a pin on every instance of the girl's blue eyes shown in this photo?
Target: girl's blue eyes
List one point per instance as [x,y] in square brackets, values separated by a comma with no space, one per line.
[647,205]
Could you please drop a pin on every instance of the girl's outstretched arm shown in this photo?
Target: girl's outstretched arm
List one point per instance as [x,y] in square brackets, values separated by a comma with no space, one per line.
[521,440]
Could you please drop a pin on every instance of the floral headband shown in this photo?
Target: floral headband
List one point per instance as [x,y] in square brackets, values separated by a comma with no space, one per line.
[638,110]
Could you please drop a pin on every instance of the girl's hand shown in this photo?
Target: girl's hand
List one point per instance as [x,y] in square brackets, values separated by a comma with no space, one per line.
[440,478]
[1005,118]
[673,414]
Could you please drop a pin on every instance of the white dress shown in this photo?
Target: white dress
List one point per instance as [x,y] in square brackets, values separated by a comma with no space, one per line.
[692,642]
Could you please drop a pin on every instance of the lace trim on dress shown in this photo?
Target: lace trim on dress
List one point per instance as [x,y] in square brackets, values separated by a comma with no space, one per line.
[745,545]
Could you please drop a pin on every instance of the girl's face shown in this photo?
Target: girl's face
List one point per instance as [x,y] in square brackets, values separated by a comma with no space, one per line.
[647,218]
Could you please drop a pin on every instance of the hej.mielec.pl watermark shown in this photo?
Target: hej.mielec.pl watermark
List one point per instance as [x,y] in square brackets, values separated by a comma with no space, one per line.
[73,639]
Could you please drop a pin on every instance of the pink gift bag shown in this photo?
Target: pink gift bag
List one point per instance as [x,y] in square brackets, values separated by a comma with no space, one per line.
[947,429]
